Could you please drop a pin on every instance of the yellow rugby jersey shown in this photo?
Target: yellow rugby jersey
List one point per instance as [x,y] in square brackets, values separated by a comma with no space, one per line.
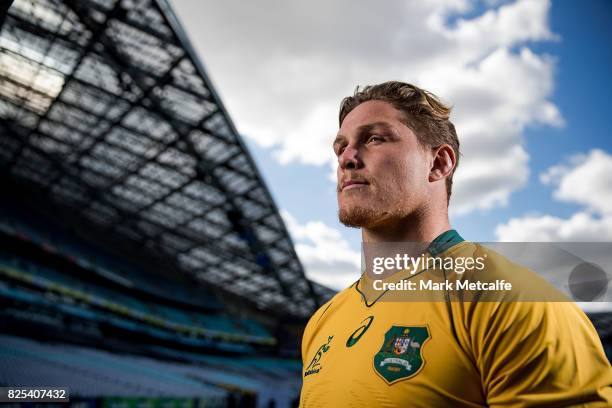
[361,352]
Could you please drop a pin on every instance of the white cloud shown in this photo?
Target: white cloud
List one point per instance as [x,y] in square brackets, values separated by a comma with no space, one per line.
[510,24]
[492,108]
[584,179]
[547,228]
[326,256]
[479,185]
[283,67]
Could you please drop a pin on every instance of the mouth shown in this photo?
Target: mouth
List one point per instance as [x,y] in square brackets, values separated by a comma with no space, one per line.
[353,184]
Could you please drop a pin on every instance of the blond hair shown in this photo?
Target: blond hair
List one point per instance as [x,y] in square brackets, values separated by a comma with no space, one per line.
[423,112]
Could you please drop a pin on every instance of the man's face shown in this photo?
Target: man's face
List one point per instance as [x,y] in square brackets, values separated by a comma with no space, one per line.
[383,170]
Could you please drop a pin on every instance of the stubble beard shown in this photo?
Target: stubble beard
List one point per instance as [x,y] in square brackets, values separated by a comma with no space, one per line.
[381,210]
[357,217]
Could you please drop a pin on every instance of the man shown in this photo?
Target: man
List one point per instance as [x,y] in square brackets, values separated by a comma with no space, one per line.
[397,151]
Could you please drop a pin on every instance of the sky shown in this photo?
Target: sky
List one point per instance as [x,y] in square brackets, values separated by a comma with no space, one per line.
[529,82]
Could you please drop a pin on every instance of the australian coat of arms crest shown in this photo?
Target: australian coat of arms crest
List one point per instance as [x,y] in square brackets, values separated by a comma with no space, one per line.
[401,355]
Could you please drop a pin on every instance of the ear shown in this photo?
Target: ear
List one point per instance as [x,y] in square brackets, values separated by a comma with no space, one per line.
[444,160]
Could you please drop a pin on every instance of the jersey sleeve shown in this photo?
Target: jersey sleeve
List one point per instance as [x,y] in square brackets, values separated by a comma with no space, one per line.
[534,354]
[310,329]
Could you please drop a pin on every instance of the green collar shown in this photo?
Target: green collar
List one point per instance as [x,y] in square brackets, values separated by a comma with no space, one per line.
[444,241]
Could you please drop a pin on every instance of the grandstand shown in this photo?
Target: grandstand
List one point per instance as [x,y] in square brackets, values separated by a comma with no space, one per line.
[142,257]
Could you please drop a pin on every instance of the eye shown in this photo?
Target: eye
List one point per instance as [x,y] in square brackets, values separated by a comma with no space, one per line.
[375,139]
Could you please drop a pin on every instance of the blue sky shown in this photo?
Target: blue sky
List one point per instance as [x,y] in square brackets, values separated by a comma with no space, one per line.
[531,74]
[583,93]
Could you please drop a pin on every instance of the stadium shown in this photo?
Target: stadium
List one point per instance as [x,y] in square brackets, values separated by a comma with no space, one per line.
[143,261]
[143,258]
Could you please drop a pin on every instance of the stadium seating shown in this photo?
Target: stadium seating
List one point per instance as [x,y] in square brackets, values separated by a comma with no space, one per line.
[96,373]
[93,373]
[123,311]
[50,279]
[52,239]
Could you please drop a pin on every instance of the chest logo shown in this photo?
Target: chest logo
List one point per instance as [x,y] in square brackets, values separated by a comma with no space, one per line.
[354,338]
[401,355]
[315,365]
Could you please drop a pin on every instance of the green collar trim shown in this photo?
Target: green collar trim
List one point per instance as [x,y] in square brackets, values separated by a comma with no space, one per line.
[444,241]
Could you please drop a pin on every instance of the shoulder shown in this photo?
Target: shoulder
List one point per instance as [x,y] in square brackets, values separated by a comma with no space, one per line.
[320,314]
[489,266]
[324,308]
[533,310]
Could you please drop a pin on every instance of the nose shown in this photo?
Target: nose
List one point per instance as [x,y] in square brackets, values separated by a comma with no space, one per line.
[350,158]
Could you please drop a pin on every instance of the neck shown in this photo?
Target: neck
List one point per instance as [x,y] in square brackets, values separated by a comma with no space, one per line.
[420,226]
